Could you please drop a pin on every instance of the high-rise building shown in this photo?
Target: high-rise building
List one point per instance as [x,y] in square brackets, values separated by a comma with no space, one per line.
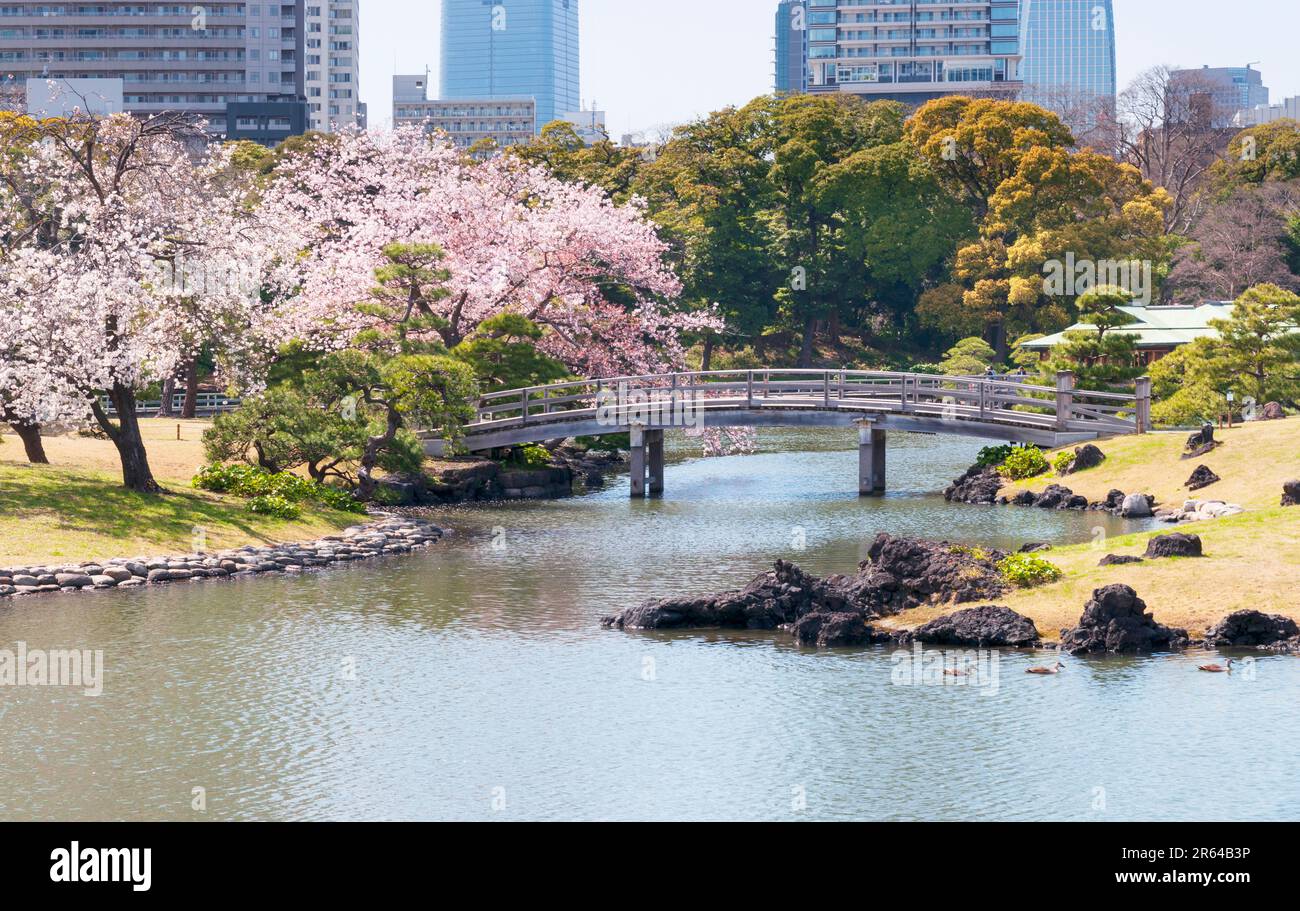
[332,79]
[464,121]
[1287,108]
[791,47]
[912,51]
[241,66]
[512,49]
[1069,58]
[1228,89]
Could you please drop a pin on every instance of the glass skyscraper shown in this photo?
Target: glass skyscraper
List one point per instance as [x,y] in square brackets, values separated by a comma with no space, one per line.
[791,47]
[1069,55]
[512,49]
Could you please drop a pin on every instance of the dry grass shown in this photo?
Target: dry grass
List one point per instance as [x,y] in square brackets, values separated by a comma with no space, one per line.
[1254,461]
[76,509]
[1252,560]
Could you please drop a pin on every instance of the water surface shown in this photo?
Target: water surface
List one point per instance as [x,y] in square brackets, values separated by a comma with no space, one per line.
[473,681]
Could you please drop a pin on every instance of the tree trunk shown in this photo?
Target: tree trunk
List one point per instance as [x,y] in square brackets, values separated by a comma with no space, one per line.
[366,483]
[190,409]
[125,434]
[168,393]
[706,360]
[809,333]
[30,434]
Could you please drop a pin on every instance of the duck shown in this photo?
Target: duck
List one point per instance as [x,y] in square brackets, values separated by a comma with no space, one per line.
[1054,669]
[1217,668]
[958,672]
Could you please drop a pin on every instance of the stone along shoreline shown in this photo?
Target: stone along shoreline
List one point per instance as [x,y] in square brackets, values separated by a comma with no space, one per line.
[389,536]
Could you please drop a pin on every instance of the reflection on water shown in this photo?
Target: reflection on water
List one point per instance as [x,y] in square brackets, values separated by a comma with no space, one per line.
[473,681]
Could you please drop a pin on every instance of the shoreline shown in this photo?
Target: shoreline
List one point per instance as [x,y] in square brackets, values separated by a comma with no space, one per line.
[388,535]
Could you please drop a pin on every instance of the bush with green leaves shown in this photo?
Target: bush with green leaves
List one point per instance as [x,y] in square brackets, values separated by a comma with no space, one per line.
[1062,462]
[254,483]
[273,505]
[993,456]
[1028,570]
[531,456]
[1024,462]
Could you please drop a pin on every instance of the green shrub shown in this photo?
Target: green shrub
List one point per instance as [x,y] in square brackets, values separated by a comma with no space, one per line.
[1024,462]
[255,483]
[993,456]
[1028,570]
[530,456]
[1063,461]
[272,505]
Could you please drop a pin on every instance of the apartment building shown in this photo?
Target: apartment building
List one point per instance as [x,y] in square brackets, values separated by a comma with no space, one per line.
[332,81]
[464,121]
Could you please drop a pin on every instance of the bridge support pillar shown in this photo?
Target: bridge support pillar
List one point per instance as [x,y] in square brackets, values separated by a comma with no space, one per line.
[871,460]
[637,451]
[654,441]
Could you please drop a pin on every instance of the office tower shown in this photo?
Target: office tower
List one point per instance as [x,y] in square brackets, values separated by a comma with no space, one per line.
[791,47]
[512,49]
[332,80]
[238,65]
[1069,58]
[464,121]
[1227,89]
[912,51]
[1288,108]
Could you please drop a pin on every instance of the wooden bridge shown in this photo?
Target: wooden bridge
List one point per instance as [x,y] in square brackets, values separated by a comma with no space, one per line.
[1001,409]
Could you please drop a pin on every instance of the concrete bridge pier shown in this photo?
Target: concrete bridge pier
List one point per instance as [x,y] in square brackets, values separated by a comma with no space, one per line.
[871,460]
[647,451]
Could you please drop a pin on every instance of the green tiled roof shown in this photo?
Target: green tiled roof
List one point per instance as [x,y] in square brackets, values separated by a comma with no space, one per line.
[1155,327]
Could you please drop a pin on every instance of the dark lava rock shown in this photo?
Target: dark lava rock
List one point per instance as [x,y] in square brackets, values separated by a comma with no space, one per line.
[1202,477]
[1078,501]
[1114,501]
[771,600]
[1252,629]
[1200,443]
[1035,548]
[1272,412]
[1175,545]
[1116,620]
[902,573]
[1119,560]
[1054,497]
[1086,457]
[1291,493]
[836,630]
[978,485]
[1024,498]
[980,627]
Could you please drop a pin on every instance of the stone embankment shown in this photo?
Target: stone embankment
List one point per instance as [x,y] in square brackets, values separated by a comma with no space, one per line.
[386,537]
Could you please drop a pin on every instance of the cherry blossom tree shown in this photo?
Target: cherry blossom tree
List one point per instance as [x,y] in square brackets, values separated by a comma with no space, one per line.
[139,253]
[515,239]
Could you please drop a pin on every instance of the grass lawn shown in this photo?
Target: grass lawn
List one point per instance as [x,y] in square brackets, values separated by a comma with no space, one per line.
[76,508]
[1252,560]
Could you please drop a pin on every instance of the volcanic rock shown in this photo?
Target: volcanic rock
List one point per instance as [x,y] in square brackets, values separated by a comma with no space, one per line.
[1116,620]
[1175,545]
[1202,477]
[980,627]
[1252,629]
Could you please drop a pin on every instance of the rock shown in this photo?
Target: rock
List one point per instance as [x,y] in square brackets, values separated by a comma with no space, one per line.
[1035,548]
[981,627]
[1116,620]
[23,580]
[1078,501]
[978,485]
[1290,497]
[1272,412]
[1114,501]
[775,598]
[1119,560]
[118,574]
[1202,477]
[902,573]
[1024,498]
[1136,506]
[835,630]
[1200,443]
[1054,497]
[7,591]
[1085,457]
[102,581]
[1175,545]
[1251,629]
[73,580]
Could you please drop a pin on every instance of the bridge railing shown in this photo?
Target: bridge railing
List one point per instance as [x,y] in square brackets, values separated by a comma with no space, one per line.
[1013,400]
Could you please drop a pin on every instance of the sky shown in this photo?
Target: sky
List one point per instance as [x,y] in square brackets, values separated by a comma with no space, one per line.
[654,63]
